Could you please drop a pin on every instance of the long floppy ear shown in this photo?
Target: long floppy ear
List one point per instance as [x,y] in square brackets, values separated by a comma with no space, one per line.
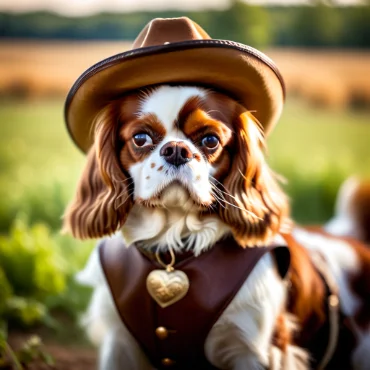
[102,200]
[259,207]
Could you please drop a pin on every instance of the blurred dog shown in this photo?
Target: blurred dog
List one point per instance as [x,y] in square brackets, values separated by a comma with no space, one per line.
[352,217]
[183,167]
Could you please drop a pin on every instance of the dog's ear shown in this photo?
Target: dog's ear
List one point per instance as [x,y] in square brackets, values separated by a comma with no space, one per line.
[102,199]
[255,207]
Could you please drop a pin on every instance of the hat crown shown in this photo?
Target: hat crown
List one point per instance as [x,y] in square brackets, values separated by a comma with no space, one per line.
[168,30]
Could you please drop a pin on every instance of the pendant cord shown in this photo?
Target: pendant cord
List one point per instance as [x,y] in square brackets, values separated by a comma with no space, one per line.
[168,267]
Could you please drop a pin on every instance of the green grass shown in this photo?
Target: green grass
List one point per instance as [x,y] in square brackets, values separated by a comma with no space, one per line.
[39,167]
[316,141]
[314,149]
[39,164]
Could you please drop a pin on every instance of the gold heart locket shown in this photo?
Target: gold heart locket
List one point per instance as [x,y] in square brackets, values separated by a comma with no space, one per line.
[167,286]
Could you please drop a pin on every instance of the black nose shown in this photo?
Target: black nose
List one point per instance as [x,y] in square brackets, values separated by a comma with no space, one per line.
[176,153]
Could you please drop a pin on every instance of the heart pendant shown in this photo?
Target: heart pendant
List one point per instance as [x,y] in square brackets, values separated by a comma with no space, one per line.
[167,287]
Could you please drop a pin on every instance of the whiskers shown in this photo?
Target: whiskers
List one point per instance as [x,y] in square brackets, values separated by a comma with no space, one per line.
[219,196]
[124,193]
[128,196]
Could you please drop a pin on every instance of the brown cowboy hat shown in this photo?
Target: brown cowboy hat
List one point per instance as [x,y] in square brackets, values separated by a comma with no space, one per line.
[176,51]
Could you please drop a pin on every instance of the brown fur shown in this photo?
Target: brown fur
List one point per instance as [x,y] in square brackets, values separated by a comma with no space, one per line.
[360,282]
[360,286]
[307,301]
[282,334]
[261,208]
[307,296]
[102,200]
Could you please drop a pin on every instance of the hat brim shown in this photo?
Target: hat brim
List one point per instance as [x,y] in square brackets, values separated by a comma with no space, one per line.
[244,73]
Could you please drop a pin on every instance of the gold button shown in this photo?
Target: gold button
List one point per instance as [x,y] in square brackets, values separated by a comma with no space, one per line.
[168,362]
[161,332]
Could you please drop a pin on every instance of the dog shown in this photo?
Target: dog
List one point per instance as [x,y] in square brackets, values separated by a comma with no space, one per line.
[181,167]
[352,217]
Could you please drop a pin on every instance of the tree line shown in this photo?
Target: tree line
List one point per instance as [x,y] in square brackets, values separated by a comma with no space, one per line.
[314,25]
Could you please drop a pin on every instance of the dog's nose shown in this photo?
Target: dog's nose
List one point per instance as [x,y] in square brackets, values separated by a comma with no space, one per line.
[176,153]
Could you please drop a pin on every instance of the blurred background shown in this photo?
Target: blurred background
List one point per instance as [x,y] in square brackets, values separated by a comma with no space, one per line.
[321,47]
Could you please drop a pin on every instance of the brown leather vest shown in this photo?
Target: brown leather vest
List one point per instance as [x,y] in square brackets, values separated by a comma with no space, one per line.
[215,277]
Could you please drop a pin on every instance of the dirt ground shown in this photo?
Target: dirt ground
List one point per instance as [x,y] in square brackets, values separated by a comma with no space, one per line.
[66,357]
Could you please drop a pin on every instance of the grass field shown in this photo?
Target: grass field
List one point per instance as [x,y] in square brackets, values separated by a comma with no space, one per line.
[322,138]
[326,78]
[314,149]
[38,164]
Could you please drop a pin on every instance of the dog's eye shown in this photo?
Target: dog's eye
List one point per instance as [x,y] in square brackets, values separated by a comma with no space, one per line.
[210,141]
[142,139]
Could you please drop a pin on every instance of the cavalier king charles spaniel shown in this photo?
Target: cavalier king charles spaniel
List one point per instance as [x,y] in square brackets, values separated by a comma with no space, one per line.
[182,167]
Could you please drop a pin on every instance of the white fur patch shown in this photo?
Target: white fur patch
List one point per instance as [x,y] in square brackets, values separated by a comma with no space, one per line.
[295,358]
[343,223]
[242,335]
[91,275]
[167,227]
[166,102]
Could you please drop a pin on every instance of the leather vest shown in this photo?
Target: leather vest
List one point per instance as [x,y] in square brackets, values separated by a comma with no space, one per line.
[174,336]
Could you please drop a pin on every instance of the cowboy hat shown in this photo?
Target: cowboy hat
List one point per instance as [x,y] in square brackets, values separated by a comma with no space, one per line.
[176,50]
